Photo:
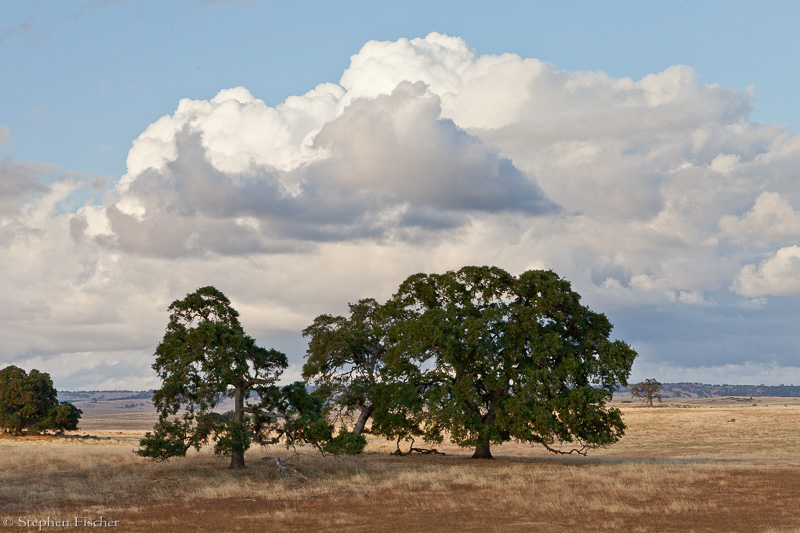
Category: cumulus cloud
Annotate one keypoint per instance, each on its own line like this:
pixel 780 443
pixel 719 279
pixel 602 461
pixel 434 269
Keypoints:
pixel 399 145
pixel 492 92
pixel 238 131
pixel 19 182
pixel 234 176
pixel 658 198
pixel 779 274
pixel 771 218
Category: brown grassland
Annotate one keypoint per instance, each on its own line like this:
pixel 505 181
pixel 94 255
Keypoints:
pixel 709 465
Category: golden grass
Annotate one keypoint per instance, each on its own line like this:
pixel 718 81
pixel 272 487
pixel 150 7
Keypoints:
pixel 677 469
pixel 704 430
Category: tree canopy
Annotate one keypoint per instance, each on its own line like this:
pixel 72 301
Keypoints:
pixel 498 357
pixel 29 402
pixel 345 357
pixel 205 357
pixel 647 390
pixel 477 354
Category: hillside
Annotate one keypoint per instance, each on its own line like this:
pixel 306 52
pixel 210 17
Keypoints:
pixel 105 399
pixel 702 390
pixel 141 400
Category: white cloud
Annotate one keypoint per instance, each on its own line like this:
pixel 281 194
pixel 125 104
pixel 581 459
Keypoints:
pixel 779 274
pixel 386 167
pixel 652 196
pixel 771 218
pixel 238 132
pixel 5 134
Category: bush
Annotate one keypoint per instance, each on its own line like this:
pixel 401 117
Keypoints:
pixel 346 443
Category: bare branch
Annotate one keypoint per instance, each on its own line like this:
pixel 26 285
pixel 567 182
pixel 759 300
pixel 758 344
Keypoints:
pixel 411 449
pixel 289 471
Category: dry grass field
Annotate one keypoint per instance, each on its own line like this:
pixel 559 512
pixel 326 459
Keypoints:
pixel 701 465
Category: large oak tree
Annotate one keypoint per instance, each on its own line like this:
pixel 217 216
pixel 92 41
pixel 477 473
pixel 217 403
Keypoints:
pixel 498 357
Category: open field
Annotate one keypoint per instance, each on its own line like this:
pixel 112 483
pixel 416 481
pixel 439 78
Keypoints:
pixel 701 465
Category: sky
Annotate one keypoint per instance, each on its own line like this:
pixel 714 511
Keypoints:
pixel 300 156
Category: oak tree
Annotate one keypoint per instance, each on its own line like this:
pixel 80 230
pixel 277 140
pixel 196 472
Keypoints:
pixel 345 357
pixel 205 357
pixel 647 390
pixel 29 403
pixel 498 357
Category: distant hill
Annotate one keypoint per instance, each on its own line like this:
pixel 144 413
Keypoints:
pixel 97 395
pixel 702 390
pixel 668 390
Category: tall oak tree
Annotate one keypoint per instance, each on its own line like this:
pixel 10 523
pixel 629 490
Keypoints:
pixel 498 357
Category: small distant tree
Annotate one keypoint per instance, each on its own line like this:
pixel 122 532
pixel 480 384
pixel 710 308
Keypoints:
pixel 647 390
pixel 29 403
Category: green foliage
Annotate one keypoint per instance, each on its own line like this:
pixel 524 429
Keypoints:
pixel 167 441
pixel 304 420
pixel 497 357
pixel 234 440
pixel 29 402
pixel 204 357
pixel 346 442
pixel 398 407
pixel 64 417
pixel 647 390
pixel 303 416
pixel 345 356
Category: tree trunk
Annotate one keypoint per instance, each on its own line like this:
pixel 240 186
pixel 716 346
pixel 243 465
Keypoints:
pixel 482 449
pixel 482 452
pixel 237 460
pixel 237 457
pixel 362 420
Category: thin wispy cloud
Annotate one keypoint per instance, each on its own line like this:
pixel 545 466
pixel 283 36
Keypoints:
pixel 25 27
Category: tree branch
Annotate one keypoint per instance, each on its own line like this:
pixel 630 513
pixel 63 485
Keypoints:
pixel 289 471
pixel 583 450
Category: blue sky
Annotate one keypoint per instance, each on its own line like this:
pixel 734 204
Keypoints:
pixel 645 151
pixel 88 77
